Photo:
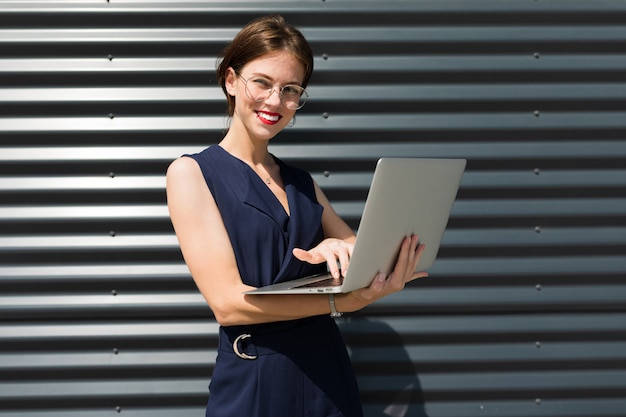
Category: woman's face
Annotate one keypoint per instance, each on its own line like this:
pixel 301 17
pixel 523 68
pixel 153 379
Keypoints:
pixel 264 119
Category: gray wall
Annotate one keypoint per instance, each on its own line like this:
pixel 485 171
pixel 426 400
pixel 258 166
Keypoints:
pixel 525 311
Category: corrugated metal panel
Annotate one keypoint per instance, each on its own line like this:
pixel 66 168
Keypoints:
pixel 525 311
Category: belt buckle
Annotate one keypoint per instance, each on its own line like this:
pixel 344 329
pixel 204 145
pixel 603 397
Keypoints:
pixel 242 355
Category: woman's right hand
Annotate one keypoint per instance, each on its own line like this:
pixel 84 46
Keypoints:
pixel 332 251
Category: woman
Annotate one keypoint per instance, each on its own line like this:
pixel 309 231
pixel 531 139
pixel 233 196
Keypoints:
pixel 245 219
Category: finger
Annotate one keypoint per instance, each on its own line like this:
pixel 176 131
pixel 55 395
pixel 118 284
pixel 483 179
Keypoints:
pixel 417 275
pixel 375 288
pixel 416 256
pixel 333 269
pixel 302 254
pixel 405 265
pixel 344 261
pixel 412 241
pixel 413 245
pixel 404 260
pixel 413 275
pixel 350 250
pixel 308 256
pixel 419 251
pixel 338 255
pixel 415 251
pixel 327 255
pixel 413 255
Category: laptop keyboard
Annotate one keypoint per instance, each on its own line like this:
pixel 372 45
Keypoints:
pixel 327 282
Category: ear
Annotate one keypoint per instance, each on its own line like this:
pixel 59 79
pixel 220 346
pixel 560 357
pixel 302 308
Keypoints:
pixel 230 81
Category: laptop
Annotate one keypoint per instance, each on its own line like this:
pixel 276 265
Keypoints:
pixel 407 196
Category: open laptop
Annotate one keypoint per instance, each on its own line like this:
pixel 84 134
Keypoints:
pixel 407 196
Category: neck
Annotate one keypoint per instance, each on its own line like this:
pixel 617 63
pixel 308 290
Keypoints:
pixel 254 153
pixel 257 157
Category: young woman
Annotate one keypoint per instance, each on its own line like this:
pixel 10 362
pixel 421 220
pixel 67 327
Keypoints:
pixel 245 219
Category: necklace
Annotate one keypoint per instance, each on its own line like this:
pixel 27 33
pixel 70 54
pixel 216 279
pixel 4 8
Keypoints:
pixel 268 160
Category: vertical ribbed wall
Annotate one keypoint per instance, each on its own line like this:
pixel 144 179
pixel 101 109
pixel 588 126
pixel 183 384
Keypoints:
pixel 525 311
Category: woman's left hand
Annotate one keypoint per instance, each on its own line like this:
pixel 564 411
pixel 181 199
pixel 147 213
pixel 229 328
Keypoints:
pixel 403 272
pixel 330 251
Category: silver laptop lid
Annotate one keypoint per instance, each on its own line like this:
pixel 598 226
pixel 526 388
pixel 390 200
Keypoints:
pixel 407 196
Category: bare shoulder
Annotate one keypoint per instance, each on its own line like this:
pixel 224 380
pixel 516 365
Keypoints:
pixel 184 173
pixel 186 189
pixel 183 166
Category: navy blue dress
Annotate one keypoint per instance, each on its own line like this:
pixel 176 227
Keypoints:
pixel 296 368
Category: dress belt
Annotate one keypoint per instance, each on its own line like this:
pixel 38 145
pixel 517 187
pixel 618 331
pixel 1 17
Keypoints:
pixel 249 344
pixel 240 349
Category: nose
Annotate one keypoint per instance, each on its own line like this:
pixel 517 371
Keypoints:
pixel 274 98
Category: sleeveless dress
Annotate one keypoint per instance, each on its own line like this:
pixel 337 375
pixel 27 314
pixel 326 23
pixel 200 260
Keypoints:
pixel 295 368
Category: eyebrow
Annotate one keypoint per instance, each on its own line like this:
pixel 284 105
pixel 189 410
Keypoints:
pixel 260 74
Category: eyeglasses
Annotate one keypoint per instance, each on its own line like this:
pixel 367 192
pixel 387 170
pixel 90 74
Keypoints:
pixel 260 89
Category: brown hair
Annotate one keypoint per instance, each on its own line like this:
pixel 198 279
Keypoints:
pixel 260 37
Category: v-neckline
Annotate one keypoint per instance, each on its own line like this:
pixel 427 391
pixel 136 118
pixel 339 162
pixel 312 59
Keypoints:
pixel 252 172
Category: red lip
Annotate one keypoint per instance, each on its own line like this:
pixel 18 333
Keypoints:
pixel 268 118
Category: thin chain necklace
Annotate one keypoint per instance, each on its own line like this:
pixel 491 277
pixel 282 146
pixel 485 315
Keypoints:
pixel 268 179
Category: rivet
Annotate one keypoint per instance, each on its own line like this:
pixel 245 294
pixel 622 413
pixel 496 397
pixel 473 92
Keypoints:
pixel 112 233
pixel 536 55
pixel 537 171
pixel 111 116
pixel 327 174
pixel 537 229
pixel 118 409
pixel 537 113
pixel 538 287
pixel 538 401
pixel 110 57
pixel 324 56
pixel 113 293
pixel 116 351
pixel 538 344
pixel 325 115
pixel 112 174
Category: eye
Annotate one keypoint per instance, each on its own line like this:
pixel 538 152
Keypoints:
pixel 292 90
pixel 262 82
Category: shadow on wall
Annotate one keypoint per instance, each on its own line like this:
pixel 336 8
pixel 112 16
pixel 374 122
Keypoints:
pixel 402 394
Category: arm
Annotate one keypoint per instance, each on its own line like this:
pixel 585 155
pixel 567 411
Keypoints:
pixel 339 240
pixel 339 244
pixel 208 253
pixel 209 256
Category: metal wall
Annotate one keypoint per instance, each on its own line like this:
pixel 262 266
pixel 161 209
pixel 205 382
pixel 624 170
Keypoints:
pixel 525 311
